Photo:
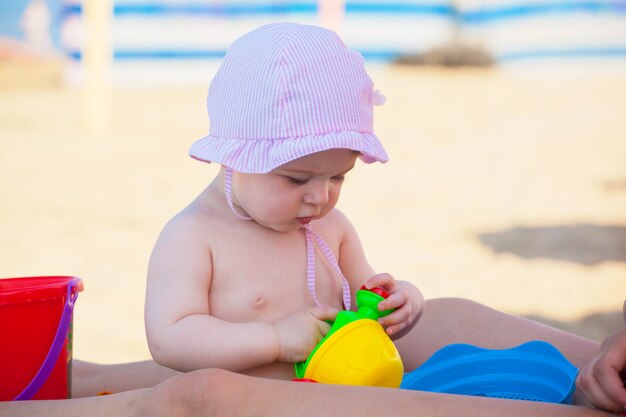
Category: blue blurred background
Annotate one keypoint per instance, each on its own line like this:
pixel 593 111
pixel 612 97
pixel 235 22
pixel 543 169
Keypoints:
pixel 501 31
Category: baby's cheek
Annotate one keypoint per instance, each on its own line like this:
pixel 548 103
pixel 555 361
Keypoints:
pixel 332 202
pixel 281 208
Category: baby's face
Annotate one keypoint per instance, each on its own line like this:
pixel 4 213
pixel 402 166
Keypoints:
pixel 297 192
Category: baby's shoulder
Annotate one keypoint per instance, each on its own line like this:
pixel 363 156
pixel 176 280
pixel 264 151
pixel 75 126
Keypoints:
pixel 196 221
pixel 341 216
pixel 335 221
pixel 336 217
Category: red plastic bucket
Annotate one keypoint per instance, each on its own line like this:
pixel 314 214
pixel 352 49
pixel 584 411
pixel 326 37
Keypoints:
pixel 36 336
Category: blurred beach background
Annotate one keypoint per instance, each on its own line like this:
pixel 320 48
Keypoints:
pixel 505 123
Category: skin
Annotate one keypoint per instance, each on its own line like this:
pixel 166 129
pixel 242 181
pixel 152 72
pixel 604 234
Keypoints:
pixel 454 320
pixel 216 302
pixel 215 392
pixel 602 379
pixel 228 293
pixel 90 379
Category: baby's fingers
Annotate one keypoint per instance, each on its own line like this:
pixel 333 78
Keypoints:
pixel 324 314
pixel 395 300
pixel 396 321
pixel 383 280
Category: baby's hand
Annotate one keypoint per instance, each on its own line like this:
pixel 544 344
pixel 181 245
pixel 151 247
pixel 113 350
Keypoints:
pixel 299 333
pixel 404 297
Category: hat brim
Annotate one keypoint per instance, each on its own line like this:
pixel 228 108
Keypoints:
pixel 260 156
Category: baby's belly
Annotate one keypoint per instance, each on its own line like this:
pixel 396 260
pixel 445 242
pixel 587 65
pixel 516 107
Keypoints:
pixel 277 370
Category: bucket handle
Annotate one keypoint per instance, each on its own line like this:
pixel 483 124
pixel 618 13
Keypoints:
pixel 55 349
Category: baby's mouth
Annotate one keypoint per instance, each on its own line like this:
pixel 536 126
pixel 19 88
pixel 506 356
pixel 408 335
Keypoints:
pixel 304 220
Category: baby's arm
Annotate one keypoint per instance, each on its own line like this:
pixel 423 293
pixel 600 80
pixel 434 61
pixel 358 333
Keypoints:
pixel 405 298
pixel 181 332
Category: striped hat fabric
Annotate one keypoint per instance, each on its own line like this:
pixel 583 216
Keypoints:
pixel 284 91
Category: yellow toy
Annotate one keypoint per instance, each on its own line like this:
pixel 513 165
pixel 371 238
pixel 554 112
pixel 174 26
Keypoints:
pixel 356 350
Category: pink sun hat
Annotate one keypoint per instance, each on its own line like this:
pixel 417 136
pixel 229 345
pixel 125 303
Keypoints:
pixel 284 91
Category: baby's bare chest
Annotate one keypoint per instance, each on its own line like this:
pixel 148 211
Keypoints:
pixel 265 278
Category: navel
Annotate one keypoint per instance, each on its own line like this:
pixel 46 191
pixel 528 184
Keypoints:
pixel 259 303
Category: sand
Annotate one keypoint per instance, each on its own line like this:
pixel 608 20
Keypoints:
pixel 506 187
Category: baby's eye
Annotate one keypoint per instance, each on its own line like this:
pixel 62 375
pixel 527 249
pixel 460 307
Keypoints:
pixel 338 178
pixel 297 181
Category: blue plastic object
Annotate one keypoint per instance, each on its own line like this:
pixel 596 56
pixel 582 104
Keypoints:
pixel 533 371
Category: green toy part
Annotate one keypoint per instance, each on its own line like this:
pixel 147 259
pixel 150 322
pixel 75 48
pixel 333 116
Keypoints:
pixel 367 308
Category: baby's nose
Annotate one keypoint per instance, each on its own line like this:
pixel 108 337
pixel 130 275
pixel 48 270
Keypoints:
pixel 317 194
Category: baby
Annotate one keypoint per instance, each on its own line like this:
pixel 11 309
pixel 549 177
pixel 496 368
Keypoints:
pixel 245 277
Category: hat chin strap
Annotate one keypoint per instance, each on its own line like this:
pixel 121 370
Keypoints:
pixel 310 236
pixel 228 191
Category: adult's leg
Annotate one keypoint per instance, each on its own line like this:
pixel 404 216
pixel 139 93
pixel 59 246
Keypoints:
pixel 221 393
pixel 217 393
pixel 89 379
pixel 455 320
